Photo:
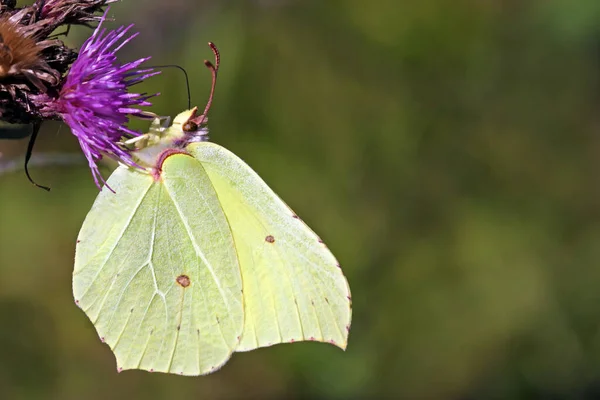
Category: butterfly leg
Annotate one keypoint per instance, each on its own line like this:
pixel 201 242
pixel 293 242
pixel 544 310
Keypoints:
pixel 138 141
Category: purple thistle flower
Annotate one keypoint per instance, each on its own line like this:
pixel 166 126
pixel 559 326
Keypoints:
pixel 94 101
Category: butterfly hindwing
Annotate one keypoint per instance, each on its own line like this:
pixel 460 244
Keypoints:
pixel 294 288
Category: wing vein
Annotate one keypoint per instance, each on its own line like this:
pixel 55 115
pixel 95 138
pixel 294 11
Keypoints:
pixel 196 248
pixel 118 239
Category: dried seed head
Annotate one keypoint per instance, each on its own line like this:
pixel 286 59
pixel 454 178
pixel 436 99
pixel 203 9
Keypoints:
pixel 17 52
pixel 24 71
pixel 31 64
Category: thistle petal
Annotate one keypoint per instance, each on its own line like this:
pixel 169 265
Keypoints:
pixel 94 100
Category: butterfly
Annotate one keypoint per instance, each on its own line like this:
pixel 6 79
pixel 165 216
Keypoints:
pixel 182 263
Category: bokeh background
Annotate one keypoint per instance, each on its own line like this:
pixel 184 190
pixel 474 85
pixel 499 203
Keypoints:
pixel 446 150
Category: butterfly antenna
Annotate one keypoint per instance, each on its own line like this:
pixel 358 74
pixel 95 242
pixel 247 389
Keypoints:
pixel 34 133
pixel 187 81
pixel 214 69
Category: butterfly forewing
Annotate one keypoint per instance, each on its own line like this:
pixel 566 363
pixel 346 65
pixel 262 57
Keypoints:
pixel 157 273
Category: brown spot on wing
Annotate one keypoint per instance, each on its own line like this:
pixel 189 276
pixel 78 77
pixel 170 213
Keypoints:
pixel 270 239
pixel 183 281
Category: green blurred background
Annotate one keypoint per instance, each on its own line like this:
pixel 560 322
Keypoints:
pixel 447 152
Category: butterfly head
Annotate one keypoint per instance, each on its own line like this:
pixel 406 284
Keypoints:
pixel 188 127
pixel 193 128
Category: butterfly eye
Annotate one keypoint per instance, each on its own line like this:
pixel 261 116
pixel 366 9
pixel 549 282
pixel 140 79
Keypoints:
pixel 190 126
